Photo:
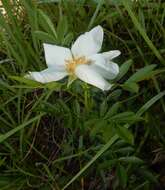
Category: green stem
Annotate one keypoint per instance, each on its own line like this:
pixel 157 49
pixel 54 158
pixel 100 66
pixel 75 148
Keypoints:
pixel 86 97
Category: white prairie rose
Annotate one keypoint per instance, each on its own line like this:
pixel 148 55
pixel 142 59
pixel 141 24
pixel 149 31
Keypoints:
pixel 83 61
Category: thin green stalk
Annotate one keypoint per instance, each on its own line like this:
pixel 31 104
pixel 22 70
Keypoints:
pixel 86 97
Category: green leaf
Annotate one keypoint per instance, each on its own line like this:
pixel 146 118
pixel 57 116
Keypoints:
pixel 131 160
pixel 131 86
pixel 107 132
pixel 122 175
pixel 107 164
pixel 28 82
pixel 148 175
pixel 113 110
pixel 34 84
pixel 125 134
pixel 124 69
pixel 142 74
pixel 62 28
pixel 2 161
pixel 124 150
pixel 68 39
pixel 53 86
pixel 98 127
pixel 103 108
pixel 45 37
pixel 125 117
pixel 47 23
pixel 114 95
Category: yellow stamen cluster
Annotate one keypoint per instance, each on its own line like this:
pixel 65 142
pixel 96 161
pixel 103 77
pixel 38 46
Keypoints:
pixel 72 63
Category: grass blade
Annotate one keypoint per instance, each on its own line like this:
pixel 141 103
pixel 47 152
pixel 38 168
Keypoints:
pixel 113 139
pixel 147 105
pixel 142 32
pixel 99 153
pixel 13 131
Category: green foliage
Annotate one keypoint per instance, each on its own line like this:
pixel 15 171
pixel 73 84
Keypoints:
pixel 122 175
pixel 58 137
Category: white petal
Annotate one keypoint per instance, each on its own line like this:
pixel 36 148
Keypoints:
pixel 111 54
pixel 90 76
pixel 108 70
pixel 56 55
pixel 88 43
pixel 47 75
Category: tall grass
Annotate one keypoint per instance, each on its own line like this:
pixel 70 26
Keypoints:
pixel 54 137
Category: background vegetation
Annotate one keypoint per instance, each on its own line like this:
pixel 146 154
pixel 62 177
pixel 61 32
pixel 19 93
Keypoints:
pixel 54 137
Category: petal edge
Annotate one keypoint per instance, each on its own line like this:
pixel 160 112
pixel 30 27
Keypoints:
pixel 47 75
pixel 90 76
pixel 88 43
pixel 56 55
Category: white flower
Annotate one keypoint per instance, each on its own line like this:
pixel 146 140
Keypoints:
pixel 83 61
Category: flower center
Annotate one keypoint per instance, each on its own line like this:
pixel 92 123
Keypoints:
pixel 72 63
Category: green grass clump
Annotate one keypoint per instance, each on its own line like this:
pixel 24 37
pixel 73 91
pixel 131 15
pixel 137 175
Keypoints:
pixel 54 137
